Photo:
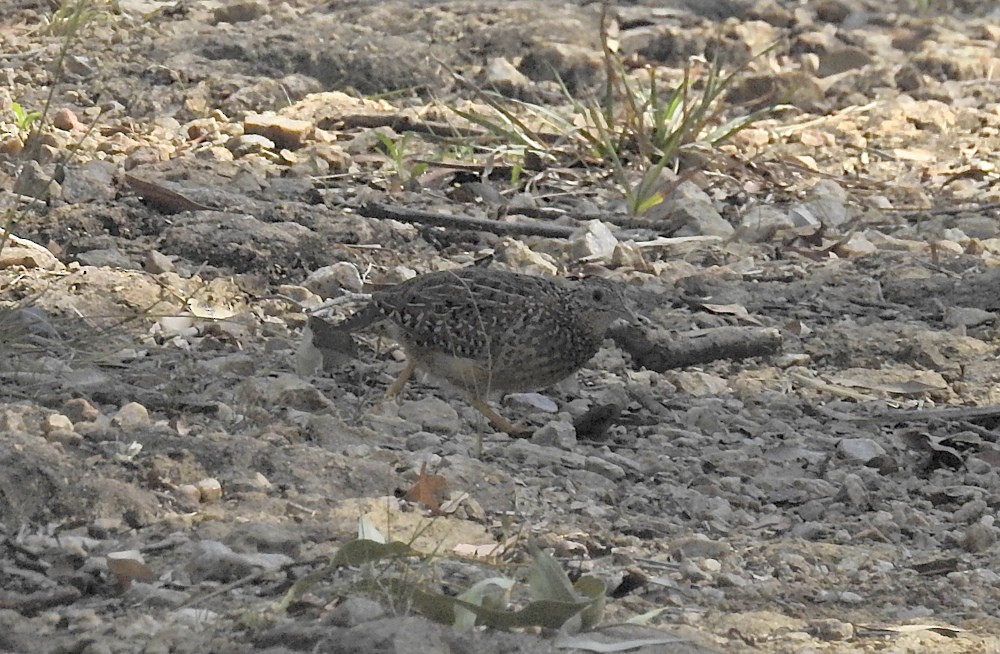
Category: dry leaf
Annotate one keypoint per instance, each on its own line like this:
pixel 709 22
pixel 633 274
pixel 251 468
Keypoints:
pixel 429 490
pixel 732 310
pixel 127 566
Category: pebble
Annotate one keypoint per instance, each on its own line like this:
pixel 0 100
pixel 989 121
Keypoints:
pixel 853 491
pixel 214 561
pixel 859 449
pixel 78 409
pixel 209 489
pixel 980 536
pixel 594 240
pixel 690 571
pixel 604 468
pixel 330 281
pixel 423 440
pixel 130 416
pixel 241 146
pixel 432 414
pixel 354 611
pixel 831 629
pixel 55 421
pixel 698 547
pixel 556 434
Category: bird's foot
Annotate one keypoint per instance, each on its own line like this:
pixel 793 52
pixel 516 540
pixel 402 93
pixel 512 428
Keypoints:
pixel 498 421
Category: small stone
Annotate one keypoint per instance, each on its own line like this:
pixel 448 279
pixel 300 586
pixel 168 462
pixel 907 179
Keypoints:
pixel 698 547
pixel 556 434
pixel 692 209
pixel 690 571
pixel 240 11
pixel 97 647
pixel 968 317
pixel 594 241
pixel 65 436
pixel 330 281
pixel 504 76
pixel 762 222
pixel 65 119
pixel 89 182
pixel 156 262
pixel 28 254
pixel 289 391
pixel 831 629
pixel 34 181
pixel 78 409
pixel 850 597
pixel 576 66
pixel 209 489
pixel 432 414
pixel 354 611
pixel 979 537
pixel 604 468
pixel 423 440
pixel 710 565
pixel 188 495
pixel 215 561
pixel 130 416
pixel 853 491
pixel 859 449
pixel 731 580
pixel 106 258
pixel 281 130
pixel 249 144
pixel 56 421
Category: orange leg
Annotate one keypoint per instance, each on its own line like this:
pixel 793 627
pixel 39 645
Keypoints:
pixel 404 376
pixel 496 419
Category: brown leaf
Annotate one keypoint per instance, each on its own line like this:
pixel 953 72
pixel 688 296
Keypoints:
pixel 429 490
pixel 125 569
pixel 736 310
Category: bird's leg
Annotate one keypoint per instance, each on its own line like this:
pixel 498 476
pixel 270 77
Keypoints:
pixel 397 386
pixel 496 419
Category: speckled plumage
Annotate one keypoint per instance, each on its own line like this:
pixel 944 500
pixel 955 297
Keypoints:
pixel 488 330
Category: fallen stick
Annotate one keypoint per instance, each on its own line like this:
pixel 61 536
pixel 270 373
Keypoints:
pixel 416 216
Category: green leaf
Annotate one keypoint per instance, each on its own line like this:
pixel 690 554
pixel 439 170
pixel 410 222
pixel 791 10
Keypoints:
pixel 362 551
pixel 547 579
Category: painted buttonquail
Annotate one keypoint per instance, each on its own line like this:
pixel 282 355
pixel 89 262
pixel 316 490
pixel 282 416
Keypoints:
pixel 486 330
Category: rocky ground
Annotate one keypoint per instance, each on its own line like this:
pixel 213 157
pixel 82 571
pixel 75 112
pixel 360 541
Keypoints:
pixel 181 471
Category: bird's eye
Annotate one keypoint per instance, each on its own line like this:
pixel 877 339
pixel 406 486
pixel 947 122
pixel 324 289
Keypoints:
pixel 598 295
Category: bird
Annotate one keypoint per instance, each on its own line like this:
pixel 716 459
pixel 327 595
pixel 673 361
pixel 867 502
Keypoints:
pixel 486 330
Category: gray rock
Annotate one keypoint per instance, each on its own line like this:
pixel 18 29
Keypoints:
pixel 693 211
pixel 241 146
pixel 505 76
pixel 215 561
pixel 576 66
pixel 131 415
pixel 93 181
pixel 432 414
pixel 35 182
pixel 157 262
pixel 859 449
pixel 289 391
pixel 831 629
pixel 108 258
pixel 265 537
pixel 854 492
pixel 699 547
pixel 354 611
pixel 605 468
pixel 423 440
pixel 980 536
pixel 556 434
pixel 761 222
